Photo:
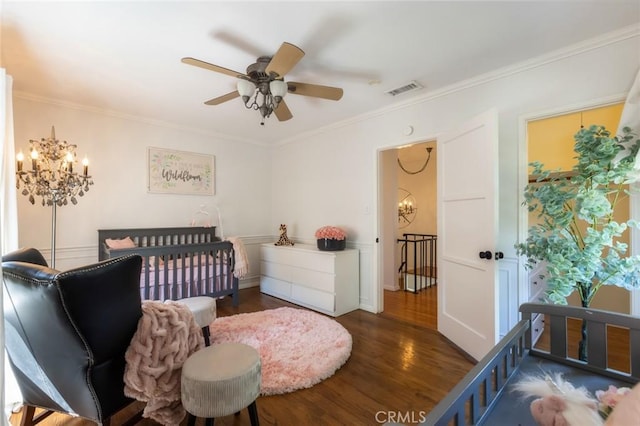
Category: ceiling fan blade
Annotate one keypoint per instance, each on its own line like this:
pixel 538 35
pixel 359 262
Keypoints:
pixel 282 112
pixel 285 59
pixel 212 67
pixel 239 43
pixel 315 90
pixel 223 98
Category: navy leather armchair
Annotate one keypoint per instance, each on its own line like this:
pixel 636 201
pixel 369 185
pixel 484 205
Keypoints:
pixel 66 333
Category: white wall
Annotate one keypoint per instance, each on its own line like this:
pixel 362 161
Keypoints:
pixel 330 177
pixel 324 178
pixel 117 151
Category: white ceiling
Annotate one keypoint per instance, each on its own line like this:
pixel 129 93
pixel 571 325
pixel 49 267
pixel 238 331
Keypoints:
pixel 125 56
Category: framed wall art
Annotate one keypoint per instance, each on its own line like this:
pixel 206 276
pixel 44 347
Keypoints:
pixel 180 172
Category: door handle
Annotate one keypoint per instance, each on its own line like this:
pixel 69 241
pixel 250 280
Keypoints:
pixel 485 255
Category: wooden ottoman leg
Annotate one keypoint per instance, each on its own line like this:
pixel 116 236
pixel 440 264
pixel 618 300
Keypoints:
pixel 191 420
pixel 253 414
pixel 206 332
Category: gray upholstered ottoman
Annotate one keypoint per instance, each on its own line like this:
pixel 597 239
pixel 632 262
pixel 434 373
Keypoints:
pixel 204 311
pixel 220 380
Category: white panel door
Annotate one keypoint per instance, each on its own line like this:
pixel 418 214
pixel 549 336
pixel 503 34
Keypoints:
pixel 467 226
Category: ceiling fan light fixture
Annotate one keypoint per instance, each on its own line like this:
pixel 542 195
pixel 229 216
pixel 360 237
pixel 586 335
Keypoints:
pixel 246 89
pixel 278 89
pixel 263 88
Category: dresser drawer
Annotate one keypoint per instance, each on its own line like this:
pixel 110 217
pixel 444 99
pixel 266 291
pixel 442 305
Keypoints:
pixel 537 327
pixel 318 261
pixel 299 257
pixel 313 298
pixel 276 270
pixel 318 280
pixel 537 286
pixel 275 287
pixel 272 254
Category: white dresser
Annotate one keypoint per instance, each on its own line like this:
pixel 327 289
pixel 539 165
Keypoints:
pixel 537 287
pixel 325 281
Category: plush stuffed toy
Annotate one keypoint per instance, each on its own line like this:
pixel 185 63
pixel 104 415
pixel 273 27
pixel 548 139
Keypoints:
pixel 559 403
pixel 284 239
pixel 627 411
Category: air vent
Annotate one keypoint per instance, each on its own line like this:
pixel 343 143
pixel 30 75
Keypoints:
pixel 413 85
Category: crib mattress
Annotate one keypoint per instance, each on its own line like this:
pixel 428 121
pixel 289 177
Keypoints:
pixel 512 409
pixel 178 283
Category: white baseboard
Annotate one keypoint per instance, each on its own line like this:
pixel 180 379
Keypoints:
pixel 249 282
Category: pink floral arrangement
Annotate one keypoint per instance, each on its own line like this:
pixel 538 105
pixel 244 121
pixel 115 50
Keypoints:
pixel 607 400
pixel 331 233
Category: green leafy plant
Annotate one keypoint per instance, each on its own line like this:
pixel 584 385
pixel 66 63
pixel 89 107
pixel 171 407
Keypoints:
pixel 576 235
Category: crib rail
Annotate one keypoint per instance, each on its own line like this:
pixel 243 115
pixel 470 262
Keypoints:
pixel 599 325
pixel 179 271
pixel 149 237
pixel 178 262
pixel 475 395
pixel 471 401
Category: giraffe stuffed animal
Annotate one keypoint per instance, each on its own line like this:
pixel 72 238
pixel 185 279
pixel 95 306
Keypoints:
pixel 283 240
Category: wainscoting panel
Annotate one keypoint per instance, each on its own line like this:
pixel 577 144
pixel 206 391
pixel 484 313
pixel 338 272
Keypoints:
pixel 73 257
pixel 368 289
pixel 508 294
pixel 252 247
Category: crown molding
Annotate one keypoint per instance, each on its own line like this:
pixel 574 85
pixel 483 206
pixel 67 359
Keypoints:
pixel 140 119
pixel 523 66
pixel 584 46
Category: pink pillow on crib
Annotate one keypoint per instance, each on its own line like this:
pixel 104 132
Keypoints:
pixel 152 262
pixel 124 243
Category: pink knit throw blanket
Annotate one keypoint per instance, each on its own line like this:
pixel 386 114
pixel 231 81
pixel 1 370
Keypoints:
pixel 167 334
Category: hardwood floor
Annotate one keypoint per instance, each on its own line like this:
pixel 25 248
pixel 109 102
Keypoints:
pixel 398 364
pixel 420 309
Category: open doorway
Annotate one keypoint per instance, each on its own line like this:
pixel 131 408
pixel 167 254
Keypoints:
pixel 467 182
pixel 550 141
pixel 410 286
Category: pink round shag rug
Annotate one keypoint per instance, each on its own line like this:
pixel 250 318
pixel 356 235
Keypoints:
pixel 298 348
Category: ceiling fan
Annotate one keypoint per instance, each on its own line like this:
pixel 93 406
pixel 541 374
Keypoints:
pixel 263 87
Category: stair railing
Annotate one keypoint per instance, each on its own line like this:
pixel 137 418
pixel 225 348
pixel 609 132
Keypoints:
pixel 418 261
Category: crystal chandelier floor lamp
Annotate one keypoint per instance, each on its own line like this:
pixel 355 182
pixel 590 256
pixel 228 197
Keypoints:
pixel 52 177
